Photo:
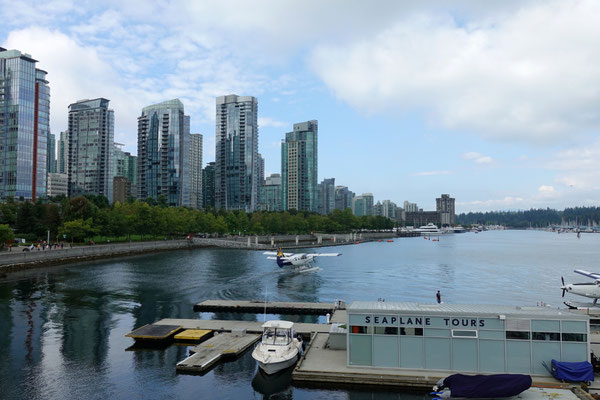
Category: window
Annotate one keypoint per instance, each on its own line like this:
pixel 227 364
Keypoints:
pixel 574 337
pixel 517 335
pixel 466 334
pixel 361 329
pixel 551 336
pixel 411 331
pixel 386 330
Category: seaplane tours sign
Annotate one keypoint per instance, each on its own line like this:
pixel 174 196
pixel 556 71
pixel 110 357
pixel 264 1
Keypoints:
pixel 420 321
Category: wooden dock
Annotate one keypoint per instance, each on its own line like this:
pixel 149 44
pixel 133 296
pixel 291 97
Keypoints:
pixel 218 347
pixel 304 329
pixel 257 306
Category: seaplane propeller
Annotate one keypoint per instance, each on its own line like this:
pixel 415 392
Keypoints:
pixel 564 288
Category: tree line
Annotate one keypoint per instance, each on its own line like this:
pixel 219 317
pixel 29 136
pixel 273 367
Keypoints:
pixel 538 218
pixel 80 218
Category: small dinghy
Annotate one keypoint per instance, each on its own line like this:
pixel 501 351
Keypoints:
pixel 481 386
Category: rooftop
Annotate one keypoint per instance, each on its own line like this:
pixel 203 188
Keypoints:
pixel 491 310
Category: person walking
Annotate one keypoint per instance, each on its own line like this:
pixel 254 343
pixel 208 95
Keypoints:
pixel 438 297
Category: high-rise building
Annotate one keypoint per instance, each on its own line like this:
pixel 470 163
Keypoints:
pixel 196 171
pixel 51 158
pixel 236 156
pixel 118 160
pixel 91 148
pixel 130 172
pixel 62 152
pixel 388 209
pixel 326 191
pixel 410 207
pixel 261 170
pixel 343 197
pixel 163 155
pixel 24 126
pixel 445 206
pixel 208 185
pixel 121 189
pixel 299 167
pixel 363 205
pixel 57 184
pixel 270 193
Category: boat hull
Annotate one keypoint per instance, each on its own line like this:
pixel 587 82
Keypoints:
pixel 271 368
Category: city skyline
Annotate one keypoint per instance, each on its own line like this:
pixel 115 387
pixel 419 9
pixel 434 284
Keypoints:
pixel 477 114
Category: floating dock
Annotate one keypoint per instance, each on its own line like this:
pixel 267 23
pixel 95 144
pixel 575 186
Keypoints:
pixel 220 346
pixel 155 332
pixel 272 307
pixel 193 335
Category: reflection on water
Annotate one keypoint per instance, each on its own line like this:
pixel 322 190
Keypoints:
pixel 278 383
pixel 62 330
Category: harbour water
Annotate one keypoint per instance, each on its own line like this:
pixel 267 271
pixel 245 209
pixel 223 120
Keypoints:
pixel 62 328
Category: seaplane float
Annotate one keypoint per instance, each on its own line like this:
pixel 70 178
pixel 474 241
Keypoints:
pixel 586 289
pixel 298 262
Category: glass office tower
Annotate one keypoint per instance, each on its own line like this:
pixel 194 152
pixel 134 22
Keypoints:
pixel 163 155
pixel 299 167
pixel 236 156
pixel 91 148
pixel 24 126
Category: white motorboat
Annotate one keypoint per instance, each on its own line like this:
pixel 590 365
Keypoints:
pixel 429 229
pixel 278 348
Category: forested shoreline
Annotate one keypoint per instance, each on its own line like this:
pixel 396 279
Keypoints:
pixel 537 218
pixel 90 216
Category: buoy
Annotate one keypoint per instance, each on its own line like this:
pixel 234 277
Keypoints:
pixel 357 242
pixel 390 241
pixel 379 240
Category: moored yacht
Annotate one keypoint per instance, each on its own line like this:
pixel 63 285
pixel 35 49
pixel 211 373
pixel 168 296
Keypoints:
pixel 429 229
pixel 278 349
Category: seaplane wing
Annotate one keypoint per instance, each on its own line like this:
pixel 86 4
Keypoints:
pixel 324 254
pixel 592 275
pixel 274 253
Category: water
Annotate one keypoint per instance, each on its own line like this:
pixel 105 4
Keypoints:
pixel 62 329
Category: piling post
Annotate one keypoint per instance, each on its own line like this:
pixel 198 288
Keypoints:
pixel 272 241
pixel 319 239
pixel 297 240
pixel 248 241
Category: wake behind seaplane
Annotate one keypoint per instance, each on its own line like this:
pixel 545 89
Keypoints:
pixel 302 262
pixel 587 289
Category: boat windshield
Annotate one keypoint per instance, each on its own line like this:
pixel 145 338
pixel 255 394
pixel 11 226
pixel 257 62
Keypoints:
pixel 276 336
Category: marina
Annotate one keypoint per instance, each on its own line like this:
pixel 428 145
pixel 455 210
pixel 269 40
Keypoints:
pixel 272 307
pixel 403 345
pixel 68 324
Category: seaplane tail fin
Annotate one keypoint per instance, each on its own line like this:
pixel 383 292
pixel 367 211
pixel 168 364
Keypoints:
pixel 592 275
pixel 324 254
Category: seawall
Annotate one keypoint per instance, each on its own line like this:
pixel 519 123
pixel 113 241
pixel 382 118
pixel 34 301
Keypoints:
pixel 19 259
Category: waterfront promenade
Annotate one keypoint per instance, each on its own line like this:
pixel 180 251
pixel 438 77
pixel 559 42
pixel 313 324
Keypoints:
pixel 18 259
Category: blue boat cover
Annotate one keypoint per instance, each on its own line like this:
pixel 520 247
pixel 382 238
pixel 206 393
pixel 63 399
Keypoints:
pixel 487 386
pixel 573 371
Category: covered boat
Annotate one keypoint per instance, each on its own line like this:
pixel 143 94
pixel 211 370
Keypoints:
pixel 278 348
pixel 481 386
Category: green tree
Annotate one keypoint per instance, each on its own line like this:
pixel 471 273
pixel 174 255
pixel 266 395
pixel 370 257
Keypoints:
pixel 6 234
pixel 78 229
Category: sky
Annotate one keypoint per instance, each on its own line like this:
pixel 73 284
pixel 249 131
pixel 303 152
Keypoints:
pixel 495 103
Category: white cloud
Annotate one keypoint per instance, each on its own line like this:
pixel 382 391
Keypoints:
pixel 526 74
pixel 271 122
pixel 430 173
pixel 477 157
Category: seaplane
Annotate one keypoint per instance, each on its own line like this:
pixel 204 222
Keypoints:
pixel 300 262
pixel 587 289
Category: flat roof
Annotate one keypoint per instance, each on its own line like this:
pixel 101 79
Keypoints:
pixel 483 310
